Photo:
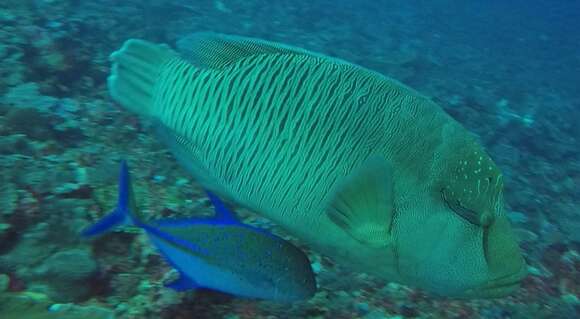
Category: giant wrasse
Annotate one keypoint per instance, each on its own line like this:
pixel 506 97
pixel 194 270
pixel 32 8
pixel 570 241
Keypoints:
pixel 355 163
pixel 219 253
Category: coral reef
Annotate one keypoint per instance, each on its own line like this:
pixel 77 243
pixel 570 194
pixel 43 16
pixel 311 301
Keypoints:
pixel 38 306
pixel 31 305
pixel 69 274
pixel 513 82
pixel 30 122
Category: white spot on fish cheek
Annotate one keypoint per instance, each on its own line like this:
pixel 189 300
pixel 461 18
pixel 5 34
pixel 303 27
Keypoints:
pixel 362 100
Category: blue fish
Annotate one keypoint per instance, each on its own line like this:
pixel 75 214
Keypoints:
pixel 218 253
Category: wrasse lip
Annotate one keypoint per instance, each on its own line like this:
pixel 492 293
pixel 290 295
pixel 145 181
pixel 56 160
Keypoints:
pixel 514 277
pixel 499 286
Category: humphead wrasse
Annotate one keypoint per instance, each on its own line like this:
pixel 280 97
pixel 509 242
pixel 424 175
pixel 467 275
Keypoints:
pixel 363 168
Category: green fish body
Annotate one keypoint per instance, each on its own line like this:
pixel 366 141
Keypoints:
pixel 360 166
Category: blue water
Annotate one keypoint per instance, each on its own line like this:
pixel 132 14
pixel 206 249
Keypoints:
pixel 509 71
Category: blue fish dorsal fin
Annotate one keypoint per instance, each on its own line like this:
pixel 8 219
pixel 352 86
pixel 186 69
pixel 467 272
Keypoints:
pixel 182 283
pixel 222 213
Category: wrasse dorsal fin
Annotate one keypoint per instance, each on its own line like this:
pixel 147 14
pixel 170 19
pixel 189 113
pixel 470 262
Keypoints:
pixel 215 51
pixel 362 203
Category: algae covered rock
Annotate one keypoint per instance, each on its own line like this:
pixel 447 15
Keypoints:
pixel 4 283
pixel 68 275
pixel 28 95
pixel 8 199
pixel 16 144
pixel 27 305
pixel 30 122
pixel 29 251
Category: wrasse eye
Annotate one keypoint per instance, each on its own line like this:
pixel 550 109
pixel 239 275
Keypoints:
pixel 473 217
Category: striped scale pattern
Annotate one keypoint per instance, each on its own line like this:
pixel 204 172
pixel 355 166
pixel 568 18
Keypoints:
pixel 277 131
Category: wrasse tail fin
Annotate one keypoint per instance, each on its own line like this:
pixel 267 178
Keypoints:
pixel 136 67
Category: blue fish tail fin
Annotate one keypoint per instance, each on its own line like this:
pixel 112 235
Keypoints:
pixel 122 214
pixel 115 218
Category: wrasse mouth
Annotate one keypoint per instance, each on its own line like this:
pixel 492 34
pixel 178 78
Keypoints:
pixel 500 286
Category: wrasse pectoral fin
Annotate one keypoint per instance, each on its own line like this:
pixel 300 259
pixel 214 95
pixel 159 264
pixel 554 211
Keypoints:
pixel 362 204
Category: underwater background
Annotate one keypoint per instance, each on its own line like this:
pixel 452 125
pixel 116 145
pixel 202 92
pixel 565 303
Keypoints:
pixel 509 71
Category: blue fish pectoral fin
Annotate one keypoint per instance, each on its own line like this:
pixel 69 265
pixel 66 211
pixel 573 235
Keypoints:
pixel 121 215
pixel 362 203
pixel 182 283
